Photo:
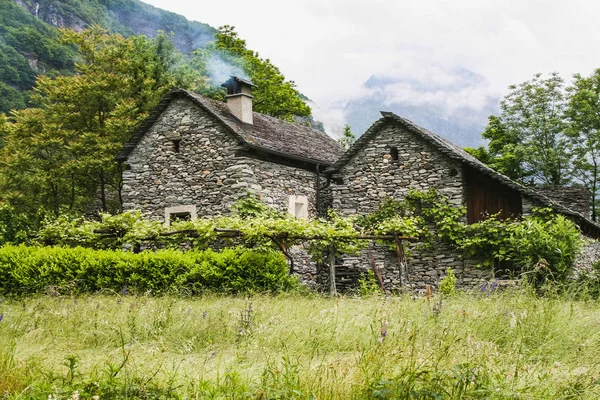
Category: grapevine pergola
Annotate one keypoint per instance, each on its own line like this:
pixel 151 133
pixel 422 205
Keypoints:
pixel 281 238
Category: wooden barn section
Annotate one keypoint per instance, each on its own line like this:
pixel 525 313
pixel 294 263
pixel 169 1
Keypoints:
pixel 485 196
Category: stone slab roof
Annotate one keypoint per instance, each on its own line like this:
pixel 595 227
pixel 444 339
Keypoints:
pixel 457 153
pixel 267 133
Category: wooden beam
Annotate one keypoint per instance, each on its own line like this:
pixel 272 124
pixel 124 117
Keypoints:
pixel 377 273
pixel 235 232
pixel 281 246
pixel 401 260
pixel 331 256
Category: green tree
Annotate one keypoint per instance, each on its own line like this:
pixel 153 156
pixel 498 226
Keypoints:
pixel 60 155
pixel 583 112
pixel 504 153
pixel 273 95
pixel 348 138
pixel 527 140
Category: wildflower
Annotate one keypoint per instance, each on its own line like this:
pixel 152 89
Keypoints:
pixel 484 287
pixel 382 331
pixel 428 292
pixel 1 317
pixel 76 395
pixel 204 314
pixel 494 285
pixel 124 290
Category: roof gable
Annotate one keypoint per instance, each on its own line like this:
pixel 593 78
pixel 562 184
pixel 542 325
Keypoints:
pixel 270 134
pixel 457 153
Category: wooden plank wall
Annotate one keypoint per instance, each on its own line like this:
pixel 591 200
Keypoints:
pixel 485 195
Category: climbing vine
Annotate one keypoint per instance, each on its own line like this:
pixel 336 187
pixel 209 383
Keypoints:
pixel 543 244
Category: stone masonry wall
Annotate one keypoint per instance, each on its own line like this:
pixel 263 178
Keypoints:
pixel 371 176
pixel 205 173
pixel 589 255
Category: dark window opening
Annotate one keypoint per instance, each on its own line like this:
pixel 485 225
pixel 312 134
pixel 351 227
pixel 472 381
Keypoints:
pixel 453 172
pixel 394 153
pixel 127 167
pixel 338 181
pixel 178 217
pixel 176 147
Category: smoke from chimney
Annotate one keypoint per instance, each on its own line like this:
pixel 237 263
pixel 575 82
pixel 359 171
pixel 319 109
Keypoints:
pixel 219 69
pixel 239 98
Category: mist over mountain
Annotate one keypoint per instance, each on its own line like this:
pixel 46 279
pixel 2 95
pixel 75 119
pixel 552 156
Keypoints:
pixel 452 102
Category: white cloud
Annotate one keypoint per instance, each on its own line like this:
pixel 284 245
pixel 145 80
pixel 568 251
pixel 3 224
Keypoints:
pixel 331 47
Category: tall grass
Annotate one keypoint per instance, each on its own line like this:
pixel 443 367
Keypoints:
pixel 502 346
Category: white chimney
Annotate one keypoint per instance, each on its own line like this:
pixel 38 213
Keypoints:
pixel 239 98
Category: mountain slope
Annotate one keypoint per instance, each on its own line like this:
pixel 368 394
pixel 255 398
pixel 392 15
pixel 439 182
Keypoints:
pixel 29 45
pixel 127 17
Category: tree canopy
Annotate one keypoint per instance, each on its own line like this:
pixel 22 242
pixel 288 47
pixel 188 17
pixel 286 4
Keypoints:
pixel 348 138
pixel 273 95
pixel 59 155
pixel 527 141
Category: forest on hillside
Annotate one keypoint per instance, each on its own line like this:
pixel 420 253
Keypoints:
pixel 30 43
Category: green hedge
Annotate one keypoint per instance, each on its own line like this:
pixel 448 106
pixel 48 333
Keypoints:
pixel 30 270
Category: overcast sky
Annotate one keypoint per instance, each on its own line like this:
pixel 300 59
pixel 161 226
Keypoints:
pixel 331 47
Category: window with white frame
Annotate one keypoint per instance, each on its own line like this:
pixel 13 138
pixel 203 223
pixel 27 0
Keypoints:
pixel 180 213
pixel 298 206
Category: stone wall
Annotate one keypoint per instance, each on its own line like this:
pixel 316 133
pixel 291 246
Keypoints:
pixel 372 175
pixel 589 255
pixel 206 173
pixel 203 173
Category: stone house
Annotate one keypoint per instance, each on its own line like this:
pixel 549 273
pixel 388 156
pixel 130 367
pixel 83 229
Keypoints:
pixel 394 156
pixel 194 157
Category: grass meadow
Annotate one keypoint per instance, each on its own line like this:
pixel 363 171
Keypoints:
pixel 509 345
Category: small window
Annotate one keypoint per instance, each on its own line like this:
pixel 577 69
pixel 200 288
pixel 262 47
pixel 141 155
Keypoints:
pixel 394 153
pixel 176 145
pixel 178 217
pixel 180 213
pixel 453 172
pixel 298 206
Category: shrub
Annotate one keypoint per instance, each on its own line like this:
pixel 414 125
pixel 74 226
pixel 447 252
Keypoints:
pixel 368 285
pixel 546 248
pixel 448 284
pixel 28 270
